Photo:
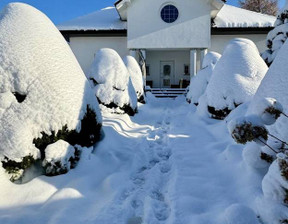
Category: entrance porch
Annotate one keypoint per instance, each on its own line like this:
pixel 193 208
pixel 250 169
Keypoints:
pixel 167 69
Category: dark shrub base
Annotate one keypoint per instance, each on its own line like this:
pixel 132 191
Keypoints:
pixel 218 114
pixel 90 133
pixel 126 108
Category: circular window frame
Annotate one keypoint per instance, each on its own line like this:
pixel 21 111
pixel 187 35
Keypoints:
pixel 162 8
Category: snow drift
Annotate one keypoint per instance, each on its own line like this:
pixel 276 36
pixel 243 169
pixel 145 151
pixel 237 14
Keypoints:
pixel 236 77
pixel 136 77
pixel 198 84
pixel 44 95
pixel 111 82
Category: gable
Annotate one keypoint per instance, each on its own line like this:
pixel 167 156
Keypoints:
pixel 146 29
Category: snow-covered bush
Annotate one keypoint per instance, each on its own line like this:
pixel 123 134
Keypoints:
pixel 60 157
pixel 277 37
pixel 136 77
pixel 275 183
pixel 247 129
pixel 240 214
pixel 111 82
pixel 199 83
pixel 44 95
pixel 274 85
pixel 253 156
pixel 236 77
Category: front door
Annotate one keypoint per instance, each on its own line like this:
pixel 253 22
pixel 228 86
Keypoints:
pixel 166 73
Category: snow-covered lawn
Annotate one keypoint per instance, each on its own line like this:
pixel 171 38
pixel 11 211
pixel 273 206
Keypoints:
pixel 164 165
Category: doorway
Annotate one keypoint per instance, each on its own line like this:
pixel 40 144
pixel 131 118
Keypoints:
pixel 166 73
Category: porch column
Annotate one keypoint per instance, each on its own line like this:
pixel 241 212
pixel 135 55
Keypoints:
pixel 203 53
pixel 142 62
pixel 193 62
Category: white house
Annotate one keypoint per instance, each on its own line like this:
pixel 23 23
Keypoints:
pixel 170 36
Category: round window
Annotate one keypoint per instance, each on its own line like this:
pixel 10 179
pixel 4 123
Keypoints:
pixel 169 13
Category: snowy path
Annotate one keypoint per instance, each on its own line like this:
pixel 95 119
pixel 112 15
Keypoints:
pixel 164 166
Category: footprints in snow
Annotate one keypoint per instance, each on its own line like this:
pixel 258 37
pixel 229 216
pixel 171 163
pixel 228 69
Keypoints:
pixel 149 183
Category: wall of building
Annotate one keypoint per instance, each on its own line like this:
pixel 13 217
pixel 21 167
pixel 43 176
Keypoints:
pixel 148 30
pixel 218 42
pixel 180 58
pixel 85 48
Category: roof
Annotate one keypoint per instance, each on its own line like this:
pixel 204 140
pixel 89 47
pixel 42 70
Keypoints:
pixel 108 20
pixel 105 19
pixel 233 17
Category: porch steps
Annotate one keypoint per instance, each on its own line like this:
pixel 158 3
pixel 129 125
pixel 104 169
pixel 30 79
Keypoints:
pixel 167 92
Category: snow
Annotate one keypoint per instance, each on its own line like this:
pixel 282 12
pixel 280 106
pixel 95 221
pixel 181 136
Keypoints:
pixel 199 82
pixel 164 165
pixel 252 156
pixel 274 184
pixel 239 214
pixel 230 17
pixel 236 76
pixel 274 85
pixel 105 19
pixel 135 75
pixel 111 80
pixel 59 151
pixel 36 61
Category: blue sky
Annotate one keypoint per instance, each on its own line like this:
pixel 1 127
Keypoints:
pixel 63 10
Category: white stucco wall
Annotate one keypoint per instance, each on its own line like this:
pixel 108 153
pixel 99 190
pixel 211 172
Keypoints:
pixel 148 30
pixel 85 48
pixel 218 42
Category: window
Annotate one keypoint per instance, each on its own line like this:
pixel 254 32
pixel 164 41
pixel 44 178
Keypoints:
pixel 186 70
pixel 147 70
pixel 169 13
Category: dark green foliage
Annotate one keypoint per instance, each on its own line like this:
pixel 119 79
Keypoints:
pixel 218 114
pixel 273 111
pixel 126 108
pixel 246 132
pixel 283 165
pixel 88 136
pixel 267 158
pixel 141 99
pixel 19 97
pixel 15 168
pixel 57 168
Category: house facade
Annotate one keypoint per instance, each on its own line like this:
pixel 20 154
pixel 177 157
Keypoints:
pixel 170 37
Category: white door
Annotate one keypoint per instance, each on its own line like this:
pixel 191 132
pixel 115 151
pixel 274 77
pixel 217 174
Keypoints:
pixel 167 73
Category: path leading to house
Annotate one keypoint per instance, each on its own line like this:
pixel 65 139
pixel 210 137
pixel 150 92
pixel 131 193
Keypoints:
pixel 165 165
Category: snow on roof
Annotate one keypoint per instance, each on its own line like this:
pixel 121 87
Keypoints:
pixel 232 17
pixel 105 19
pixel 108 19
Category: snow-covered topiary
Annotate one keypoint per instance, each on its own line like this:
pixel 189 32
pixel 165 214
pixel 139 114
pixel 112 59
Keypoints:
pixel 236 77
pixel 136 77
pixel 268 109
pixel 60 157
pixel 111 82
pixel 274 85
pixel 199 83
pixel 247 129
pixel 52 98
pixel 275 183
pixel 253 156
pixel 277 37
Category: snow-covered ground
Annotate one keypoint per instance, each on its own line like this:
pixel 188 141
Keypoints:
pixel 164 165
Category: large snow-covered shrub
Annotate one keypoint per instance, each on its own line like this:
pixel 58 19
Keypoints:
pixel 274 86
pixel 236 77
pixel 112 83
pixel 136 77
pixel 199 83
pixel 276 37
pixel 44 95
